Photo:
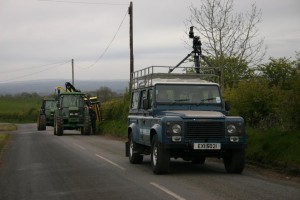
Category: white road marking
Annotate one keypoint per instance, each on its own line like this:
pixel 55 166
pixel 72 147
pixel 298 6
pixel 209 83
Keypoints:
pixel 81 147
pixel 169 192
pixel 111 162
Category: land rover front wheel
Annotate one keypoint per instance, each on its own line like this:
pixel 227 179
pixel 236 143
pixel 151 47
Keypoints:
pixel 134 156
pixel 160 157
pixel 234 162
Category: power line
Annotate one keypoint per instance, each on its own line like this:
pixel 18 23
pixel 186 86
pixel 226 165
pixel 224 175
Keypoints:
pixel 31 67
pixel 23 76
pixel 80 2
pixel 105 50
pixel 100 3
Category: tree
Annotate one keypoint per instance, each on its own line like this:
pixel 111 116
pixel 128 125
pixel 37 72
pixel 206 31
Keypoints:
pixel 280 72
pixel 254 100
pixel 234 70
pixel 225 34
pixel 105 94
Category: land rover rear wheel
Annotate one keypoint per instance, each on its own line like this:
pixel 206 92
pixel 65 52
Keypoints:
pixel 160 157
pixel 134 156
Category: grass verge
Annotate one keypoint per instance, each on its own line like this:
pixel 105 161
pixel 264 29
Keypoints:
pixel 3 139
pixel 113 128
pixel 7 127
pixel 274 148
pixel 4 136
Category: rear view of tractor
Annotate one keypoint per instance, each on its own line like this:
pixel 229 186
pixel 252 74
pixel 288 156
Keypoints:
pixel 72 111
pixel 46 114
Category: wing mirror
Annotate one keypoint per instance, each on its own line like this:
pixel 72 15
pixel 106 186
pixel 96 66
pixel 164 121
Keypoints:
pixel 227 105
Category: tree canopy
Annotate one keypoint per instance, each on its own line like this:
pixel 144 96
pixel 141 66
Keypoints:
pixel 228 35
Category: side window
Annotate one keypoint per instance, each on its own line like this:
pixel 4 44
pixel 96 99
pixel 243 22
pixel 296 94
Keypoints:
pixel 143 96
pixel 44 104
pixel 150 98
pixel 134 100
pixel 81 102
pixel 61 101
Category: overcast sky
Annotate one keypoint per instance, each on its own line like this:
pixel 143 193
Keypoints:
pixel 38 38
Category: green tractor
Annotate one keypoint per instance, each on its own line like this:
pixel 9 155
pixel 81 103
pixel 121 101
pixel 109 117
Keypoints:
pixel 46 114
pixel 72 112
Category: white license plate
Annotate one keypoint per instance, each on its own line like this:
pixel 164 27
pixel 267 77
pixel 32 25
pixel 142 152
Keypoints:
pixel 207 146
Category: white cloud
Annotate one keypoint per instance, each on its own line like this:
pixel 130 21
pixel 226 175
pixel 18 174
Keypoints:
pixel 34 33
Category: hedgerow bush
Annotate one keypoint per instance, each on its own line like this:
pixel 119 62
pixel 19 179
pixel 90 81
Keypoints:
pixel 263 106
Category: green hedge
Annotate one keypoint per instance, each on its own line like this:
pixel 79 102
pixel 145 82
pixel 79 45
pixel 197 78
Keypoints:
pixel 20 117
pixel 265 107
pixel 3 138
pixel 274 148
pixel 114 114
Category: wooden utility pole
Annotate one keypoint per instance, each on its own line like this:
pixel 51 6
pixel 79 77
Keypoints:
pixel 73 72
pixel 130 12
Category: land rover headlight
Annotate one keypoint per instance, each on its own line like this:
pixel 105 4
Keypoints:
pixel 176 128
pixel 231 129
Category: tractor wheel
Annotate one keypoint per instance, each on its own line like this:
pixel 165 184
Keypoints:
pixel 54 127
pixel 59 126
pixel 41 123
pixel 38 123
pixel 87 126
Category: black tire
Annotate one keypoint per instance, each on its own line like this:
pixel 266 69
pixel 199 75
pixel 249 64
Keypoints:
pixel 134 156
pixel 160 157
pixel 234 162
pixel 198 160
pixel 87 126
pixel 59 126
pixel 38 123
pixel 54 127
pixel 41 123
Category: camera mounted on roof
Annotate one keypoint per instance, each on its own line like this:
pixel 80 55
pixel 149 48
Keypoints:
pixel 197 53
pixel 196 41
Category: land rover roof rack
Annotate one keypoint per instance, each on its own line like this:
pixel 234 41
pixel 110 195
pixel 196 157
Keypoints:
pixel 147 76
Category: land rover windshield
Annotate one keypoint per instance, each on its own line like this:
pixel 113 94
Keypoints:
pixel 187 94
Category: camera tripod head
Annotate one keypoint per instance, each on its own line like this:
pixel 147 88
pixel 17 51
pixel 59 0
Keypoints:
pixel 197 52
pixel 191 33
pixel 196 41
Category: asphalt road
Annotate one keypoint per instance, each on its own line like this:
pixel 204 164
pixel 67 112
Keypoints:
pixel 38 165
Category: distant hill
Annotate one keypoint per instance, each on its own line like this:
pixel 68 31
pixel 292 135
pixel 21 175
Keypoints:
pixel 45 87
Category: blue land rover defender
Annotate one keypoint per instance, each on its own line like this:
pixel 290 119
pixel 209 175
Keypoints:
pixel 182 115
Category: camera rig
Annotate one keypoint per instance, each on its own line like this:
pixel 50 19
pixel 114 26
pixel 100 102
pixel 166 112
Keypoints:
pixel 197 52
